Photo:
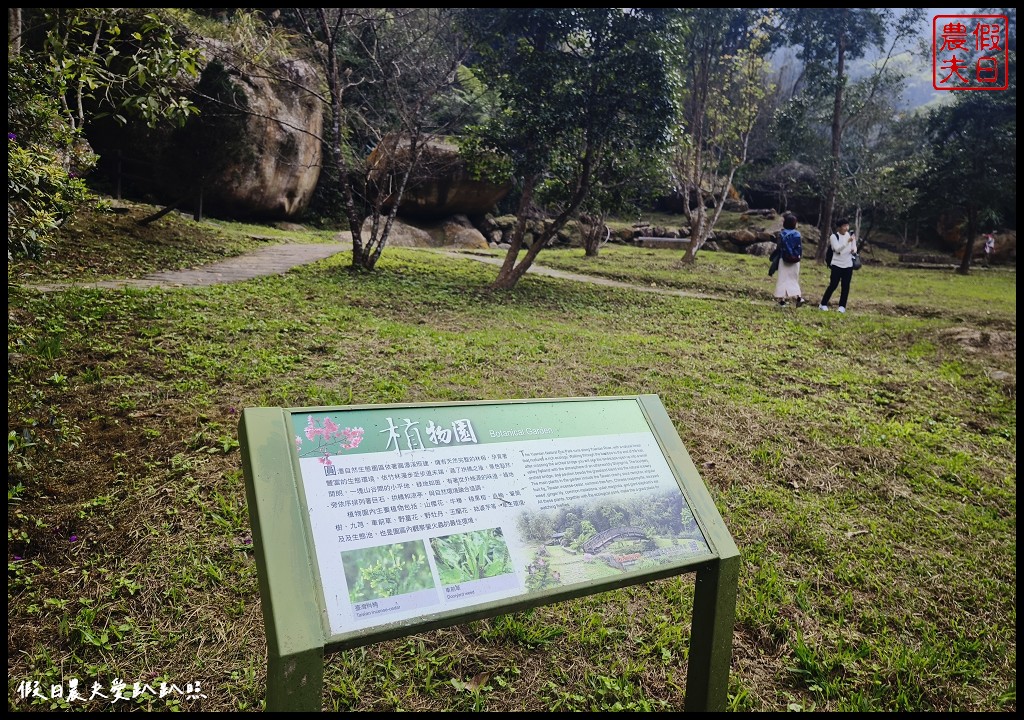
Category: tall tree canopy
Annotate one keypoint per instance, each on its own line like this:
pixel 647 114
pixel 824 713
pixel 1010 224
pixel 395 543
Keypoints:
pixel 579 87
pixel 972 155
pixel 721 85
pixel 828 39
pixel 66 67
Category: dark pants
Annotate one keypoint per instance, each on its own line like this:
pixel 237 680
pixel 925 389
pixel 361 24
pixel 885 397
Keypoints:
pixel 839 275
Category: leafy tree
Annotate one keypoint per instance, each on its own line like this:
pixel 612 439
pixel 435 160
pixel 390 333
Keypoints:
pixel 621 187
pixel 125 62
pixel 579 88
pixel 881 151
pixel 587 531
pixel 471 102
pixel 721 87
pixel 972 163
pixel 68 66
pixel 881 179
pixel 535 527
pixel 569 519
pixel 659 513
pixel 878 165
pixel 609 514
pixel 687 521
pixel 45 161
pixel 389 73
pixel 829 38
pixel 540 576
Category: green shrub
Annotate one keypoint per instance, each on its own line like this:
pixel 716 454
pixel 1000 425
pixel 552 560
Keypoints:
pixel 45 161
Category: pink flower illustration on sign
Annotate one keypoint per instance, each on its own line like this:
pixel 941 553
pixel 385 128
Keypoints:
pixel 313 432
pixel 329 437
pixel 353 436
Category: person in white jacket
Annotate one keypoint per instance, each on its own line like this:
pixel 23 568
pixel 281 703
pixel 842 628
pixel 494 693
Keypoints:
pixel 844 246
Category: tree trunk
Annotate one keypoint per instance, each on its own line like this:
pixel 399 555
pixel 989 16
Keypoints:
pixel 832 181
pixel 160 213
pixel 327 56
pixel 377 239
pixel 972 229
pixel 594 233
pixel 510 272
pixel 507 278
pixel 699 230
pixel 13 32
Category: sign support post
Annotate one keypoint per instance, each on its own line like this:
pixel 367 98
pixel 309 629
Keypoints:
pixel 714 613
pixel 715 586
pixel 291 614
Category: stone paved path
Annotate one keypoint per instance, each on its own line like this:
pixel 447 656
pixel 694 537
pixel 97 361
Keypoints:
pixel 279 259
pixel 273 260
pixel 593 279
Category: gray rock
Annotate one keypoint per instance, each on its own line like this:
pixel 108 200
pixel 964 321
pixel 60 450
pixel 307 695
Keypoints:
pixel 403 235
pixel 276 176
pixel 439 186
pixel 761 249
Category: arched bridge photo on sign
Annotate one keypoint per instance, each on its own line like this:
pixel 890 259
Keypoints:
pixel 602 540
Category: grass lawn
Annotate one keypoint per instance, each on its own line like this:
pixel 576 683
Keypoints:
pixel 865 465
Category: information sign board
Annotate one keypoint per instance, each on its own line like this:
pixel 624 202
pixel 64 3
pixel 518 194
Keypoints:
pixel 379 521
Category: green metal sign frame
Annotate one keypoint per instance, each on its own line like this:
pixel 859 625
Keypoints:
pixel 300 465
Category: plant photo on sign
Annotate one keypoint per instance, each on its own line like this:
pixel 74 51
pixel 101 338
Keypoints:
pixel 471 556
pixel 386 570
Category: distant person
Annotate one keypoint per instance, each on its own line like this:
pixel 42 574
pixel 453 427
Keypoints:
pixel 843 244
pixel 787 284
pixel 990 246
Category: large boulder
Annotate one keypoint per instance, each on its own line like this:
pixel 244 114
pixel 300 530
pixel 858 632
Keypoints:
pixel 761 249
pixel 253 150
pixel 276 169
pixel 455 231
pixel 440 184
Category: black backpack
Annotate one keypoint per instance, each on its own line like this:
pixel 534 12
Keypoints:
pixel 828 253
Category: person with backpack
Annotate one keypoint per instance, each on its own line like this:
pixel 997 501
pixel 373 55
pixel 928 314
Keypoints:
pixel 990 245
pixel 790 247
pixel 843 248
